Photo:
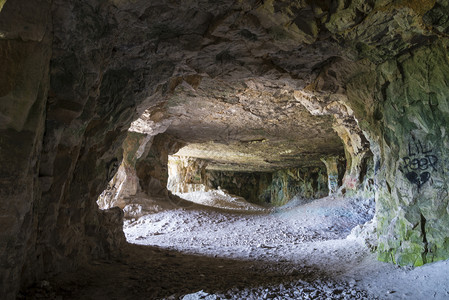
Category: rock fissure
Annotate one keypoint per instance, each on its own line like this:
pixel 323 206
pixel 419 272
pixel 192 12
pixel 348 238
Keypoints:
pixel 424 239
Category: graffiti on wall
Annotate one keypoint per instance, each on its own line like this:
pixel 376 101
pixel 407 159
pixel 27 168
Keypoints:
pixel 419 163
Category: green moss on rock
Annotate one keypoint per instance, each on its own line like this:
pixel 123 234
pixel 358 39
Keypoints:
pixel 130 146
pixel 413 183
pixel 306 183
pixel 2 2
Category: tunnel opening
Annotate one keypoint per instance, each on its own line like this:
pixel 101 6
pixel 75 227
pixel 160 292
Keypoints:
pixel 189 178
pixel 245 171
pixel 218 200
pixel 216 211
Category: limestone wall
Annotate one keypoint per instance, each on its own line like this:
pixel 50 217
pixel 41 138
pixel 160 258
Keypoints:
pixel 394 103
pixel 186 175
pixel 412 174
pixel 305 183
pixel 266 188
pixel 254 187
pixel 25 51
pixel 66 106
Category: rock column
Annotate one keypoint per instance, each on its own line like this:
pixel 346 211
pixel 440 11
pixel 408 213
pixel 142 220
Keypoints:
pixel 331 164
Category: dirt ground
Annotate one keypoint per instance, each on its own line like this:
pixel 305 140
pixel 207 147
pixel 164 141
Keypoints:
pixel 294 252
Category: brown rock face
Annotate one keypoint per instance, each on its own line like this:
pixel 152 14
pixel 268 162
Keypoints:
pixel 246 85
pixel 25 51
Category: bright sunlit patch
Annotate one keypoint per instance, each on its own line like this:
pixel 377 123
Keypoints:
pixel 210 231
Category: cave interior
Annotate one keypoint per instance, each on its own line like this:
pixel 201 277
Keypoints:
pixel 110 106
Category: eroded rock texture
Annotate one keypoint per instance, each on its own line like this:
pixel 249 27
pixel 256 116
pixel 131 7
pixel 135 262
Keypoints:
pixel 125 182
pixel 305 183
pixel 334 166
pixel 254 187
pixel 413 192
pixel 275 188
pixel 25 51
pixel 248 85
pixel 186 175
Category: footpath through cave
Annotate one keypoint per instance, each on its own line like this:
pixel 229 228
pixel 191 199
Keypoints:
pixel 317 250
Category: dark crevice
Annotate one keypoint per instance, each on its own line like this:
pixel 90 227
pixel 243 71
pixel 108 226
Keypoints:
pixel 424 239
pixel 364 165
pixel 384 89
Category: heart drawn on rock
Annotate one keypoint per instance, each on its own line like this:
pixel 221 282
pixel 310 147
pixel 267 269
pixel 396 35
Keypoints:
pixel 418 179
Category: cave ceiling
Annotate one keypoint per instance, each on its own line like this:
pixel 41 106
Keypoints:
pixel 234 68
pixel 247 125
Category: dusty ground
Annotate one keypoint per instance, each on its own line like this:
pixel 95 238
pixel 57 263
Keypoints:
pixel 296 252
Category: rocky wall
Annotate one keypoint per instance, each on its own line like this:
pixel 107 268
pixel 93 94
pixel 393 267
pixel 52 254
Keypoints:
pixel 413 192
pixel 186 175
pixel 25 51
pixel 400 99
pixel 304 183
pixel 67 102
pixel 265 188
pixel 81 150
pixel 254 187
pixel 390 109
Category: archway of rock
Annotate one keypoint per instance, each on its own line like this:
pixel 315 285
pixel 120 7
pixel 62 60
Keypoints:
pixel 312 79
pixel 157 169
pixel 268 132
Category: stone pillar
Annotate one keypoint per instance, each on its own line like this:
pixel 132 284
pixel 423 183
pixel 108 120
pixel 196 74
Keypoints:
pixel 331 164
pixel 186 175
pixel 356 150
pixel 152 167
pixel 125 182
pixel 405 113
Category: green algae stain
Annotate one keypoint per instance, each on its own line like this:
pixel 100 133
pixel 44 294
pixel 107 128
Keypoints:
pixel 278 33
pixel 412 210
pixel 2 2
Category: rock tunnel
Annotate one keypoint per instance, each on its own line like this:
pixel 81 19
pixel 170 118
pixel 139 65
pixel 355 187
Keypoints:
pixel 327 97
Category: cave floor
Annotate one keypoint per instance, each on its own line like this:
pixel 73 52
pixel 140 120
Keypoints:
pixel 296 252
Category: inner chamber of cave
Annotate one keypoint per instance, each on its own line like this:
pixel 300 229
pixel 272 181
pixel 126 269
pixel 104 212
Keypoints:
pixel 289 123
pixel 207 149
